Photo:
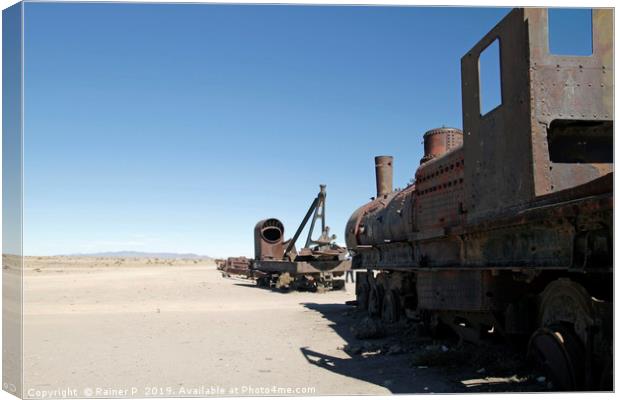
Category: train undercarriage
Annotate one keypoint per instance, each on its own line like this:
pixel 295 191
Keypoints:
pixel 317 282
pixel 566 329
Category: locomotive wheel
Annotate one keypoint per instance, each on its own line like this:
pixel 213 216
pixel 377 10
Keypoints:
pixel 338 284
pixel 363 293
pixel 566 301
pixel 374 301
pixel 559 352
pixel 377 291
pixel 606 382
pixel 558 346
pixel 263 281
pixel 390 310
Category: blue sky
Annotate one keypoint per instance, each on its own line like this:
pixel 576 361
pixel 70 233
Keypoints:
pixel 177 127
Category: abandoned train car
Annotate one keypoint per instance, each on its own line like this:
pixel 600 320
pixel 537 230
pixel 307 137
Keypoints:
pixel 318 266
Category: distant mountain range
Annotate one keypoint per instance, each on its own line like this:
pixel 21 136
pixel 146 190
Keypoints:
pixel 141 254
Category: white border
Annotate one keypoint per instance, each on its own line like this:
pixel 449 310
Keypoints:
pixel 480 3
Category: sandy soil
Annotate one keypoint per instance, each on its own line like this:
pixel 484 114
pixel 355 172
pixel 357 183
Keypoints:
pixel 96 327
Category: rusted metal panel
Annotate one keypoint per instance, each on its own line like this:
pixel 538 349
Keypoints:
pixel 556 231
pixel 399 216
pixel 536 244
pixel 578 89
pixel 548 101
pixel 303 267
pixel 544 235
pixel 464 290
pixel 439 192
pixel 497 146
pixel 237 266
pixel 365 225
pixel 355 226
pixel 390 219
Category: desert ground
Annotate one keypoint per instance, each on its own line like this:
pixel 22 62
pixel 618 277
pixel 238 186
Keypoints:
pixel 110 327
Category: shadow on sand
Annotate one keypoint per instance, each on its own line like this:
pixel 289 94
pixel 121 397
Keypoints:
pixel 402 371
pixel 270 289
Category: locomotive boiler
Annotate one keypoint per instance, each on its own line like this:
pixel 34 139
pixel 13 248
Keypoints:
pixel 507 227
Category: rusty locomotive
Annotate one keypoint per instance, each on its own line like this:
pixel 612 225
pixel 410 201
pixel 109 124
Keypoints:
pixel 507 227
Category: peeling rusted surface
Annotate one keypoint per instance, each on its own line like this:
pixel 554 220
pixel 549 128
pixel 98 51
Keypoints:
pixel 237 266
pixel 440 141
pixel 269 239
pixel 511 147
pixel 336 267
pixel 383 173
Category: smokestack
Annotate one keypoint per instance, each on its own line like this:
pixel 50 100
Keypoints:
pixel 269 240
pixel 383 172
